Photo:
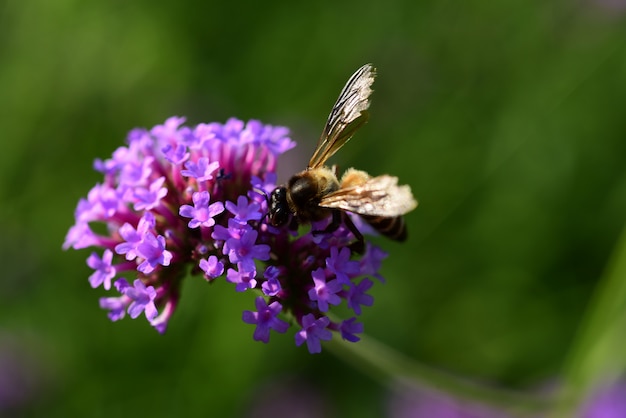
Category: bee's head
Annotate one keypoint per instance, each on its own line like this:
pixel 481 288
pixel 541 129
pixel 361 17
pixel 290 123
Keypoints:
pixel 278 208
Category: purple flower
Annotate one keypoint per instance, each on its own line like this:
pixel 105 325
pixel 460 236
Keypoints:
pixel 133 237
pixel 265 319
pixel 108 201
pixel 179 199
pixel 142 298
pixel 608 401
pixel 409 400
pixel 153 250
pixel 349 328
pixel 243 279
pixel 150 198
pixel 234 230
pixel 324 292
pixel 243 211
pixel 175 154
pixel 212 267
pixel 116 306
pixel 265 185
pixel 169 130
pixel 80 236
pixel 357 296
pixel 340 264
pixel 372 260
pixel 313 331
pixel 24 377
pixel 104 270
pixel 135 173
pixel 87 210
pixel 201 213
pixel 201 170
pixel 245 250
pixel 272 286
pixel 160 322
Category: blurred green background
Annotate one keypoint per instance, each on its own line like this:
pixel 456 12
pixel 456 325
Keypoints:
pixel 506 118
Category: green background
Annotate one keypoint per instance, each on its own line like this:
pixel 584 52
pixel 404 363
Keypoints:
pixel 506 118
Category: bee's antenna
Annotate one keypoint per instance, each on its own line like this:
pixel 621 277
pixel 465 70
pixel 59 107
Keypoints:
pixel 267 200
pixel 262 193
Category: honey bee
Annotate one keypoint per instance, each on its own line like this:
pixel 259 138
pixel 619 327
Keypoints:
pixel 315 193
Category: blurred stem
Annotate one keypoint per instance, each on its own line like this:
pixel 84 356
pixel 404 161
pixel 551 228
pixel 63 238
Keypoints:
pixel 391 367
pixel 597 354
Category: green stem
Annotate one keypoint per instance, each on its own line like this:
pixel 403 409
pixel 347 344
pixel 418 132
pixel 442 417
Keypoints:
pixel 384 364
pixel 597 355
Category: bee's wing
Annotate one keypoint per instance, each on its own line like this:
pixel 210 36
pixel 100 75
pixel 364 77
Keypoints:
pixel 347 115
pixel 378 196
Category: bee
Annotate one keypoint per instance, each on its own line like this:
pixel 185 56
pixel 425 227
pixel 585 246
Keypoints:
pixel 315 193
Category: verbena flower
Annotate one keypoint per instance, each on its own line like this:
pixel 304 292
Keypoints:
pixel 410 400
pixel 607 401
pixel 180 200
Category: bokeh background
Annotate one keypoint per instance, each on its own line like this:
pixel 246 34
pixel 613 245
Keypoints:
pixel 506 118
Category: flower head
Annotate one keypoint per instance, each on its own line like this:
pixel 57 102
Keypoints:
pixel 176 197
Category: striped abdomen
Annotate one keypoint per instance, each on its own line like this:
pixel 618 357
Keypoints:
pixel 393 228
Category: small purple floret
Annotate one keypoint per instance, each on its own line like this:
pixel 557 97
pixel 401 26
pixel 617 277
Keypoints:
pixel 212 267
pixel 116 306
pixel 324 292
pixel 150 198
pixel 265 319
pixel 349 328
pixel 142 299
pixel 358 297
pixel 340 264
pixel 244 211
pixel 104 270
pixel 201 213
pixel 272 286
pixel 245 249
pixel 244 280
pixel 133 237
pixel 313 332
pixel 201 170
pixel 153 250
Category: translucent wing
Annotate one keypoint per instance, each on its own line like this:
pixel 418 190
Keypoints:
pixel 378 196
pixel 347 115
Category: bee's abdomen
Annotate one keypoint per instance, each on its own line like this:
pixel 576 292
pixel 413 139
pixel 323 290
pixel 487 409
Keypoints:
pixel 393 228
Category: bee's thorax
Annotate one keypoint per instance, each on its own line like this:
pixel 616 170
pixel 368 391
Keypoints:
pixel 306 189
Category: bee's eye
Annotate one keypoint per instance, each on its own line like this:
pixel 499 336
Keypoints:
pixel 278 208
pixel 279 217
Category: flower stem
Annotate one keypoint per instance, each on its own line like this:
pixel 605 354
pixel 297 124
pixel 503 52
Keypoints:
pixel 391 367
pixel 597 354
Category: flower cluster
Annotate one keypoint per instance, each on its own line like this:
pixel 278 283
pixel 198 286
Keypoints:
pixel 179 200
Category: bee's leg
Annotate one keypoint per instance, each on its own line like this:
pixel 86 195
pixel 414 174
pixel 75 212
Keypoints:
pixel 339 216
pixel 357 246
pixel 293 224
pixel 332 226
